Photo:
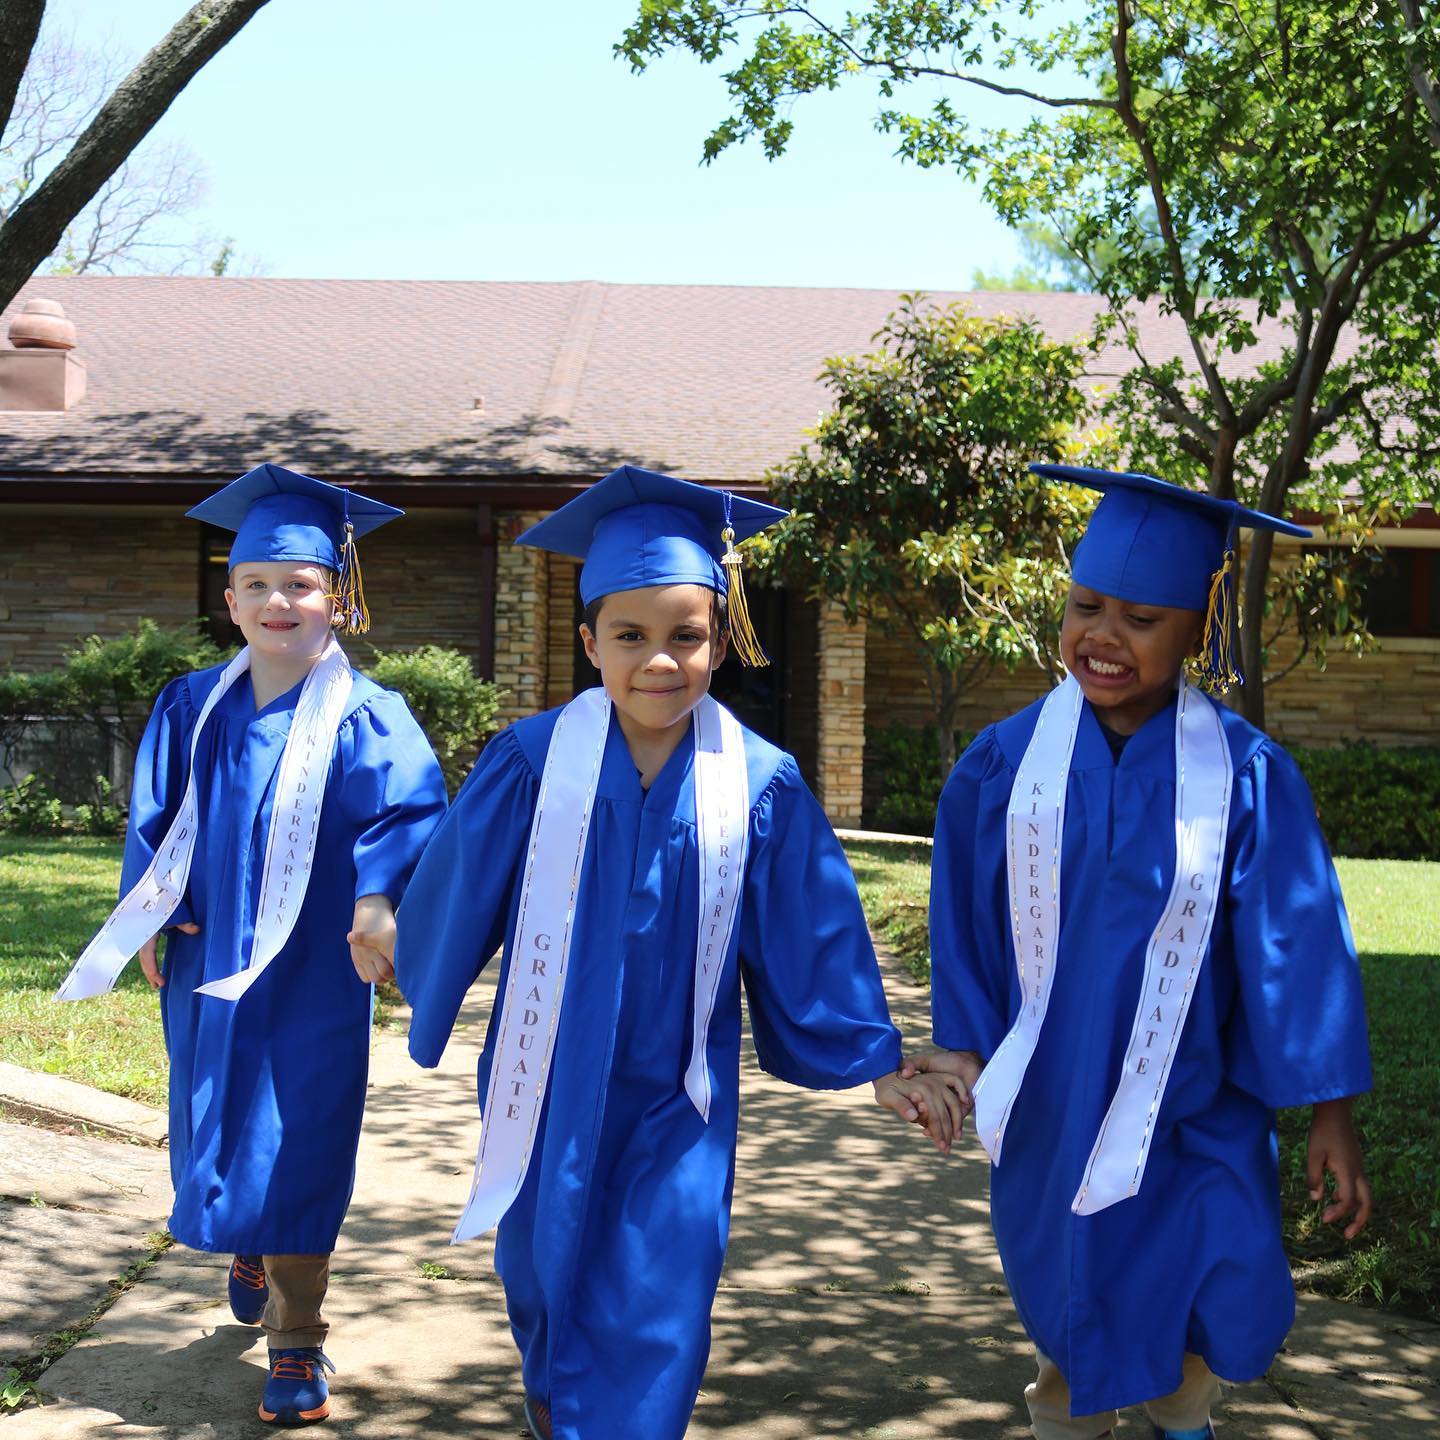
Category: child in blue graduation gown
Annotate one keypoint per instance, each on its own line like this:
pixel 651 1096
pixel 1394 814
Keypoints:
pixel 1139 953
pixel 616 1206
pixel 267 1090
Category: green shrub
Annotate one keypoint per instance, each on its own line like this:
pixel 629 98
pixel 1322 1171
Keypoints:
pixel 903 778
pixel 112 683
pixel 30 808
pixel 1373 803
pixel 455 708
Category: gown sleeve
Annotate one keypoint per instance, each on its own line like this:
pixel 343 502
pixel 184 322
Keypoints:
pixel 970 960
pixel 1297 1035
pixel 162 762
pixel 392 791
pixel 454 915
pixel 817 1007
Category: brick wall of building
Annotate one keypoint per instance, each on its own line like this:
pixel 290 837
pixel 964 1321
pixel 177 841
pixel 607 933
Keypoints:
pixel 564 618
pixel 840 760
pixel 66 573
pixel 422 581
pixel 522 618
pixel 1390 696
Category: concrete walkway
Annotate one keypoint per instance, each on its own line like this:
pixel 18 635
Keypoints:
pixel 862 1296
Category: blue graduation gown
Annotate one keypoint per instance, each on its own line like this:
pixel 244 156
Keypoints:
pixel 612 1251
pixel 267 1092
pixel 1194 1261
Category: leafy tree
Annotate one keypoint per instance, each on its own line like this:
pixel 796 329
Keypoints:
pixel 83 182
pixel 912 507
pixel 1261 174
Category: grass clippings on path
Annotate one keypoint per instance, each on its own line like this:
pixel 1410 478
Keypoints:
pixel 1394 910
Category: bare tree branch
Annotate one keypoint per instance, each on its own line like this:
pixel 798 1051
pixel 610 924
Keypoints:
pixel 35 227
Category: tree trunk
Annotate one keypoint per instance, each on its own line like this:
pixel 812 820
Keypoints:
pixel 19 27
pixel 36 226
pixel 947 702
pixel 1252 615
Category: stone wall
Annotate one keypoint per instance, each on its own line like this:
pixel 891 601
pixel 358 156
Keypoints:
pixel 522 617
pixel 423 584
pixel 564 618
pixel 840 762
pixel 68 572
pixel 1390 696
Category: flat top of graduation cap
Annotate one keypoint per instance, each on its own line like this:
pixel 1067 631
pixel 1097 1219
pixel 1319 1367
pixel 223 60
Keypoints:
pixel 1154 543
pixel 637 528
pixel 280 514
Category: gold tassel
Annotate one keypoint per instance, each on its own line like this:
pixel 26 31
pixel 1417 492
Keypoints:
pixel 1215 668
pixel 742 629
pixel 354 614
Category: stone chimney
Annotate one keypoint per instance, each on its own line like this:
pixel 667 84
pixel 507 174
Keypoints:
pixel 41 372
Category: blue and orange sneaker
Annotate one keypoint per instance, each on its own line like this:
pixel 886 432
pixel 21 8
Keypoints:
pixel 296 1392
pixel 248 1290
pixel 1206 1432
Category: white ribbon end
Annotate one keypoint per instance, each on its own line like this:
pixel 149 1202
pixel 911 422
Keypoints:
pixel 231 987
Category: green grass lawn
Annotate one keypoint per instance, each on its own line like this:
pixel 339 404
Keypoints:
pixel 53 896
pixel 1395 912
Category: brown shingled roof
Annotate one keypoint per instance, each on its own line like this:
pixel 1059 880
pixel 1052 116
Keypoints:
pixel 201 376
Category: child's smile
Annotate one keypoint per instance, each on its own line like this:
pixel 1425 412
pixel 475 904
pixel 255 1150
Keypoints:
pixel 1127 657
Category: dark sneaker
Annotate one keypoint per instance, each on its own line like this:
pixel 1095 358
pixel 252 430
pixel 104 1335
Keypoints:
pixel 1206 1432
pixel 296 1392
pixel 248 1290
pixel 537 1417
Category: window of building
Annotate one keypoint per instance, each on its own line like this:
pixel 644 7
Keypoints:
pixel 1403 597
pixel 214 577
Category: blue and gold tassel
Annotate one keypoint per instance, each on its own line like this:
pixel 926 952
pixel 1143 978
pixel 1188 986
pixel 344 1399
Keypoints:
pixel 1215 667
pixel 352 614
pixel 742 629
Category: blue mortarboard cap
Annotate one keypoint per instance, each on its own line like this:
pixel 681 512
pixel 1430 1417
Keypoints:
pixel 1154 543
pixel 279 514
pixel 637 527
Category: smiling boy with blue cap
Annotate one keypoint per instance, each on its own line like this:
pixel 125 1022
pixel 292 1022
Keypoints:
pixel 279 803
pixel 640 854
pixel 1139 953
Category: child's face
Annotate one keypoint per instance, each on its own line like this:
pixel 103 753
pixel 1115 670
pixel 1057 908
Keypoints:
pixel 283 609
pixel 655 649
pixel 1127 657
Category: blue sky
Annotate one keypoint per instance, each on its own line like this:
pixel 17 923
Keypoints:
pixel 469 139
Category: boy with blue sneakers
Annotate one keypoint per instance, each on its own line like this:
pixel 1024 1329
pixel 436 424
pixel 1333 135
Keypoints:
pixel 279 805
pixel 1139 954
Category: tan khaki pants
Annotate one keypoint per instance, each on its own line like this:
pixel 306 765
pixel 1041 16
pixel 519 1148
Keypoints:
pixel 1049 1401
pixel 292 1317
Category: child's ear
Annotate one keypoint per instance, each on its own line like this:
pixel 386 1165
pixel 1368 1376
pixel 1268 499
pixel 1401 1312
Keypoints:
pixel 233 607
pixel 720 650
pixel 587 636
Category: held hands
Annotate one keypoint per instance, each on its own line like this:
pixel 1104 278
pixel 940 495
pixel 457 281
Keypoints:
pixel 958 1069
pixel 148 962
pixel 372 939
pixel 1334 1147
pixel 938 1102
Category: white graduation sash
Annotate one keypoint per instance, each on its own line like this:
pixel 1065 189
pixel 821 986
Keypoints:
pixel 289 850
pixel 1177 947
pixel 529 1018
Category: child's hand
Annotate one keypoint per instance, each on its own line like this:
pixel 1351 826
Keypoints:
pixel 965 1065
pixel 372 939
pixel 935 1101
pixel 148 962
pixel 1334 1147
